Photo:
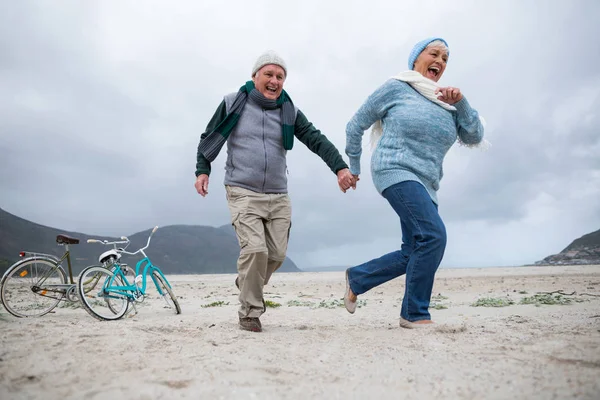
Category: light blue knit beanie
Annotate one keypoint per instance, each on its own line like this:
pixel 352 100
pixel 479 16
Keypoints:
pixel 419 47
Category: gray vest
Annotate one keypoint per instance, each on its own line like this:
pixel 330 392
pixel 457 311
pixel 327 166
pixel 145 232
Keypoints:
pixel 255 155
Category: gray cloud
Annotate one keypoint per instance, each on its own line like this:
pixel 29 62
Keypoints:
pixel 103 104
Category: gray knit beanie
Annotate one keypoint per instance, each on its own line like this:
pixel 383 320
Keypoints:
pixel 269 57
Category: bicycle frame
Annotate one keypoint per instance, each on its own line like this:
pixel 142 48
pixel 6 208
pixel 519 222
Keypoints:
pixel 56 288
pixel 65 256
pixel 131 290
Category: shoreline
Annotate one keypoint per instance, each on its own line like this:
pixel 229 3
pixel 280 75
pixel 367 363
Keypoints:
pixel 450 272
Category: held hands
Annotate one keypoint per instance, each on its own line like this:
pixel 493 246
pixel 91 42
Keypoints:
pixel 346 180
pixel 450 95
pixel 202 185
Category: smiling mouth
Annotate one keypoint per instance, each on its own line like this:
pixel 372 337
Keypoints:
pixel 271 89
pixel 435 71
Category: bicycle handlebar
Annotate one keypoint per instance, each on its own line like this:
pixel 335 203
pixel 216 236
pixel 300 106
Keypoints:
pixel 106 242
pixel 125 240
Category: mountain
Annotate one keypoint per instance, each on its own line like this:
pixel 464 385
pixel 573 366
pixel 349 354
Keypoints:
pixel 176 249
pixel 582 251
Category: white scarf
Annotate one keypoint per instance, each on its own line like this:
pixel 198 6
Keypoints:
pixel 426 87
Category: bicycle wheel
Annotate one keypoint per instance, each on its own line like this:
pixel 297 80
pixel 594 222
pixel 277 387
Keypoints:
pixel 91 281
pixel 28 288
pixel 101 293
pixel 165 291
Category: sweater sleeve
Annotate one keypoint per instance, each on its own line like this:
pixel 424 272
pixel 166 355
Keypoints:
pixel 373 109
pixel 202 164
pixel 470 129
pixel 318 143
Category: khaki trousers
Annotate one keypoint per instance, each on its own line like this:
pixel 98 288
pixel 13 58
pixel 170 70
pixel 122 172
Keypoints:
pixel 262 225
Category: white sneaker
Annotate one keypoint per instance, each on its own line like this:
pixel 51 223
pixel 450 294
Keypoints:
pixel 350 305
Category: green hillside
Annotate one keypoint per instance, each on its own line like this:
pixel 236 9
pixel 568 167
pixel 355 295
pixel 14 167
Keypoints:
pixel 176 249
pixel 589 240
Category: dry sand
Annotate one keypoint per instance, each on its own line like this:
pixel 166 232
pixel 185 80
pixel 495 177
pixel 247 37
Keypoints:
pixel 305 352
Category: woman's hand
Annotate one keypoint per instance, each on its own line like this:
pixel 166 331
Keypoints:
pixel 450 95
pixel 345 180
pixel 356 179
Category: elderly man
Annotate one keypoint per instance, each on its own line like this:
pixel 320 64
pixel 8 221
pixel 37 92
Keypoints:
pixel 259 124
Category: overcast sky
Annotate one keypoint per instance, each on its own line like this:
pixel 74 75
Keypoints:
pixel 102 104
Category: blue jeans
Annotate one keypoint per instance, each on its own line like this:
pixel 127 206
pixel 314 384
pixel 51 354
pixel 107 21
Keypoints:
pixel 423 245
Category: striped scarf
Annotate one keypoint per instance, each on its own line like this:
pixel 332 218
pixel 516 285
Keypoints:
pixel 211 145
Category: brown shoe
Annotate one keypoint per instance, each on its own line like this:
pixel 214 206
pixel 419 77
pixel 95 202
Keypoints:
pixel 250 324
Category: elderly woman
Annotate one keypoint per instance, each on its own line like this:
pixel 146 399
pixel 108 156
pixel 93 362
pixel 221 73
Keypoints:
pixel 416 122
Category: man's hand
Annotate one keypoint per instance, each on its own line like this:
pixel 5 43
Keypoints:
pixel 202 184
pixel 346 180
pixel 450 95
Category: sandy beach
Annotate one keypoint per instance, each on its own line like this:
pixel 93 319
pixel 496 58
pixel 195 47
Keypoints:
pixel 312 348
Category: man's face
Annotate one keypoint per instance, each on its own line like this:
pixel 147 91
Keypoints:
pixel 269 81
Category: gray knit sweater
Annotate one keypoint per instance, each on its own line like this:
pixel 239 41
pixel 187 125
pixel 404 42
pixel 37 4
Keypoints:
pixel 256 159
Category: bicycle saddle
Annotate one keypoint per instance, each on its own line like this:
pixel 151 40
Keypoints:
pixel 64 239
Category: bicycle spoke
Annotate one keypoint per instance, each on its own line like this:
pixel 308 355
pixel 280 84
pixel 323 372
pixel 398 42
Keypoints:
pixel 165 291
pixel 102 294
pixel 27 288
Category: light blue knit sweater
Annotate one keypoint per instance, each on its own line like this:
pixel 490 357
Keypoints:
pixel 417 134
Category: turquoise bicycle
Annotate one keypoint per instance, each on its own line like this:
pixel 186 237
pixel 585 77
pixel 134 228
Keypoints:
pixel 112 294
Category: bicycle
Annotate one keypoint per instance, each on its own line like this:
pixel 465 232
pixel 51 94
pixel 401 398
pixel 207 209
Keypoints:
pixel 111 300
pixel 34 286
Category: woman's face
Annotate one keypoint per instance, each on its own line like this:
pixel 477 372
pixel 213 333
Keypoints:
pixel 431 63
